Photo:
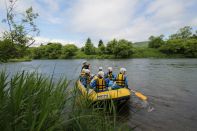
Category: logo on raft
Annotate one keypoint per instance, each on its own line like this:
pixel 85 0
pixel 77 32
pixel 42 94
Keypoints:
pixel 102 97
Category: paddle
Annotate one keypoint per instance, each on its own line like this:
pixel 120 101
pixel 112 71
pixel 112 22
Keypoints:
pixel 140 95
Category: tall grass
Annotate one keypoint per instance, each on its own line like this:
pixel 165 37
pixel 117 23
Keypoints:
pixel 30 101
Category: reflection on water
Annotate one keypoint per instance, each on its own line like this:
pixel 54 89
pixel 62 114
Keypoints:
pixel 169 84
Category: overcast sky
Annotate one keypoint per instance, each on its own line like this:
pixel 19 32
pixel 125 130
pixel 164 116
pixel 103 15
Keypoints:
pixel 72 21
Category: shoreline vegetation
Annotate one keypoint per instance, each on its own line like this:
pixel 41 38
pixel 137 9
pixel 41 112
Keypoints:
pixel 183 44
pixel 32 101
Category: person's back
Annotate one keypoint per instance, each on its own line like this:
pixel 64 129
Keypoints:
pixel 96 75
pixel 85 79
pixel 110 74
pixel 100 68
pixel 121 79
pixel 100 83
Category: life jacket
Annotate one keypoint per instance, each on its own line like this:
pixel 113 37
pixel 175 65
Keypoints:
pixel 120 80
pixel 100 84
pixel 110 75
pixel 82 74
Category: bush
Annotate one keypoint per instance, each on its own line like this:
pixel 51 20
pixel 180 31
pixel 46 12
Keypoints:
pixel 68 51
pixel 145 52
pixel 190 48
pixel 155 42
pixel 175 46
pixel 123 49
pixel 6 49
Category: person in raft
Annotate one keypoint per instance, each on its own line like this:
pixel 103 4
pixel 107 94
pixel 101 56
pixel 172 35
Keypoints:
pixel 110 74
pixel 121 79
pixel 100 68
pixel 85 78
pixel 100 83
pixel 96 75
pixel 85 65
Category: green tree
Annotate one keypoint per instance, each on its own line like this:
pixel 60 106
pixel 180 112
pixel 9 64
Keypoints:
pixel 82 49
pixel 111 46
pixel 182 33
pixel 21 28
pixel 190 48
pixel 89 48
pixel 53 50
pixel 36 52
pixel 155 41
pixel 100 43
pixel 101 49
pixel 123 49
pixel 69 50
pixel 6 50
pixel 173 46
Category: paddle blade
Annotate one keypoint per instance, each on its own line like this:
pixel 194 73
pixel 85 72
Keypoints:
pixel 141 96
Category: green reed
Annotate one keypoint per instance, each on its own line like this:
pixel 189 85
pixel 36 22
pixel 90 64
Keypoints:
pixel 33 102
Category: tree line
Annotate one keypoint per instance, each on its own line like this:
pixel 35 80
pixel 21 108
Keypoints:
pixel 119 49
pixel 184 43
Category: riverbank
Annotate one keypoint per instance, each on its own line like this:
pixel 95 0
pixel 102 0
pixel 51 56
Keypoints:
pixel 24 59
pixel 138 52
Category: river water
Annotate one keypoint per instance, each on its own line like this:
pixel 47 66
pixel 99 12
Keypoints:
pixel 169 84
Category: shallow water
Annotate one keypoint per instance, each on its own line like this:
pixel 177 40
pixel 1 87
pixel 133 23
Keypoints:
pixel 170 84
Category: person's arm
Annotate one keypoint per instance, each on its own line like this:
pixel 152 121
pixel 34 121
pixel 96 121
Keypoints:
pixel 113 77
pixel 126 82
pixel 107 82
pixel 83 81
pixel 93 84
pixel 105 76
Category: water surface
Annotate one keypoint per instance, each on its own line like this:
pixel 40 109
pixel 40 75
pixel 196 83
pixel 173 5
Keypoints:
pixel 170 84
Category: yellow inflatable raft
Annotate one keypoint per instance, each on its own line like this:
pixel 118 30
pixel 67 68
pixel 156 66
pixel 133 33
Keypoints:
pixel 122 94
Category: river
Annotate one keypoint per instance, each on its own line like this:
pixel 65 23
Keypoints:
pixel 169 84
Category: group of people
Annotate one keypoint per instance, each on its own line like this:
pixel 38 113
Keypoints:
pixel 102 81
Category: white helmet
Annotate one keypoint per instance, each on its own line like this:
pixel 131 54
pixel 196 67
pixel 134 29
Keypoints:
pixel 87 71
pixel 84 62
pixel 110 68
pixel 100 68
pixel 122 70
pixel 101 73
